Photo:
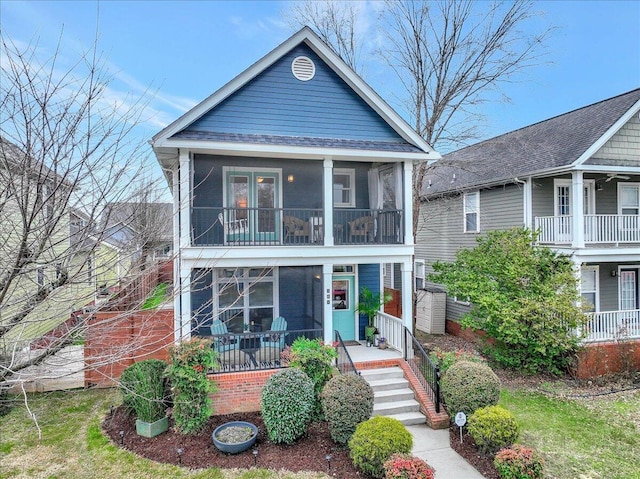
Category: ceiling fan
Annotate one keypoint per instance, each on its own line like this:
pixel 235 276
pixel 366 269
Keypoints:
pixel 611 176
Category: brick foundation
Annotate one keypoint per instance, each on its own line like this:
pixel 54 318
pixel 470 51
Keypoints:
pixel 599 359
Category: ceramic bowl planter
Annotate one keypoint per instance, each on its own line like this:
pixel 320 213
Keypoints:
pixel 234 437
pixel 152 429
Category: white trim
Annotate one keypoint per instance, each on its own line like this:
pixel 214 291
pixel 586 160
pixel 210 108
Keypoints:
pixel 464 211
pixel 406 270
pixel 599 143
pixel 351 174
pixel 307 36
pixel 527 203
pixel 185 198
pixel 327 199
pixel 407 195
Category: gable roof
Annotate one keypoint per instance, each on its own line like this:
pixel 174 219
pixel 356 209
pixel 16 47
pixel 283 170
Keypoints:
pixel 411 143
pixel 558 144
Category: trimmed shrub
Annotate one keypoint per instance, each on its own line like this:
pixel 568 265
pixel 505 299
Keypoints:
pixel 406 466
pixel 316 359
pixel 190 362
pixel 445 359
pixel 375 441
pixel 468 386
pixel 142 386
pixel 492 428
pixel 519 462
pixel 347 400
pixel 287 402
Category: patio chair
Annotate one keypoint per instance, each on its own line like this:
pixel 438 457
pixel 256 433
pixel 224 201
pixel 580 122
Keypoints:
pixel 234 229
pixel 295 228
pixel 222 341
pixel 361 228
pixel 274 337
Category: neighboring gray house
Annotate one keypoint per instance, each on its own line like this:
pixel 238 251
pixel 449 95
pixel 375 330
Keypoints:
pixel 292 189
pixel 586 161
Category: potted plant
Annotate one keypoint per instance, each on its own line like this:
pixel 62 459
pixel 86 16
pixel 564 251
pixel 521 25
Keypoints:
pixel 369 305
pixel 234 437
pixel 143 391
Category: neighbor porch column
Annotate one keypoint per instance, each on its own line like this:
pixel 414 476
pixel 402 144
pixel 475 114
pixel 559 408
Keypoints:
pixel 407 195
pixel 577 209
pixel 327 181
pixel 327 280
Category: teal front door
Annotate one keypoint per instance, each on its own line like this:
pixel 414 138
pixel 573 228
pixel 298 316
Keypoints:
pixel 344 318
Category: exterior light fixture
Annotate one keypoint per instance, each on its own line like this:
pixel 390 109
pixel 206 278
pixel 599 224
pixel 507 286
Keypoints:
pixel 290 178
pixel 255 457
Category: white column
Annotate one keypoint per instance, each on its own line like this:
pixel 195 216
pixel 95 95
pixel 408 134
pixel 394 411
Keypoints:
pixel 408 202
pixel 527 204
pixel 577 209
pixel 185 199
pixel 407 294
pixel 183 322
pixel 327 181
pixel 327 279
pixel 176 249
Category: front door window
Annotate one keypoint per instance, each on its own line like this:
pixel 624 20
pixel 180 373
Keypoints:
pixel 628 289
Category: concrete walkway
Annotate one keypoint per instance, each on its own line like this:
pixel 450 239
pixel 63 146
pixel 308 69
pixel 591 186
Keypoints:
pixel 433 446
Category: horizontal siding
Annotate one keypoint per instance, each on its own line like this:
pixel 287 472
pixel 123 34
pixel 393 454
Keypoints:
pixel 369 277
pixel 276 103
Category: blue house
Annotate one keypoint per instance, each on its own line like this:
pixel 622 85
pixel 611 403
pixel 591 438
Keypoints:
pixel 292 189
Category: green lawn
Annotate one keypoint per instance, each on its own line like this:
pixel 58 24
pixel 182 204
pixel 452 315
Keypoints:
pixel 73 446
pixel 581 438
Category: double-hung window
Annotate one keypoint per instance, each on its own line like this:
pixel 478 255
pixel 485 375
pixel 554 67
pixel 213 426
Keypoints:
pixel 344 187
pixel 472 212
pixel 629 198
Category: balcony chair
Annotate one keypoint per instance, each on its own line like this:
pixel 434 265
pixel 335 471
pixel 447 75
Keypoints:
pixel 274 338
pixel 226 345
pixel 362 228
pixel 295 228
pixel 234 229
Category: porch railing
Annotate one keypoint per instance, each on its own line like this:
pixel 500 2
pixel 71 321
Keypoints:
pixel 613 229
pixel 612 325
pixel 367 226
pixel 427 373
pixel 343 361
pixel 256 351
pixel 390 328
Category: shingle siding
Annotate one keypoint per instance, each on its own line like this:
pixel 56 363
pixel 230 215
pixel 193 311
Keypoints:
pixel 624 145
pixel 276 103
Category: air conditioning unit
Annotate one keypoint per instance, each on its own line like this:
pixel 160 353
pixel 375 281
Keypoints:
pixel 431 310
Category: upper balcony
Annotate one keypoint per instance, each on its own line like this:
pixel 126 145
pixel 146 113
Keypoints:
pixel 294 226
pixel 598 229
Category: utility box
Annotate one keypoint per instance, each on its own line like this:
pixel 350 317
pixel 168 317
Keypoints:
pixel 431 310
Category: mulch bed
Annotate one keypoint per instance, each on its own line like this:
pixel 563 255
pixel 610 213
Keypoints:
pixel 468 450
pixel 307 454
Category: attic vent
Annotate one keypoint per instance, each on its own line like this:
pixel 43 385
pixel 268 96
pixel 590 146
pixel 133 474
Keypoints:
pixel 303 68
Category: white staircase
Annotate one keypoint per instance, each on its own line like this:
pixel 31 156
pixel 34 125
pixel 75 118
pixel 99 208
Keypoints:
pixel 392 395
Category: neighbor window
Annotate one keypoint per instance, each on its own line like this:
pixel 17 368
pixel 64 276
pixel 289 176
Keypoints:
pixel 418 271
pixel 344 187
pixel 589 287
pixel 471 212
pixel 629 199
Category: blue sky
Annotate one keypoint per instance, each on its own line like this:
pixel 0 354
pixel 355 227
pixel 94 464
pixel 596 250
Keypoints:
pixel 187 50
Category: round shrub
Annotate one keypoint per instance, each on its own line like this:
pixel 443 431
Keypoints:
pixel 347 400
pixel 287 402
pixel 375 441
pixel 492 428
pixel 406 466
pixel 468 386
pixel 519 462
pixel 142 386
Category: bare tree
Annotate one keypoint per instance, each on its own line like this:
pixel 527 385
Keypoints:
pixel 66 150
pixel 336 24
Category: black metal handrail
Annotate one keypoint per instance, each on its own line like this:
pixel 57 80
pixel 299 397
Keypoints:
pixel 427 373
pixel 344 363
